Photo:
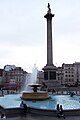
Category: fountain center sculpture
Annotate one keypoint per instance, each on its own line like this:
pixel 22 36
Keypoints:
pixel 35 94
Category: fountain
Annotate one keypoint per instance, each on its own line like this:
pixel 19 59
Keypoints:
pixel 34 94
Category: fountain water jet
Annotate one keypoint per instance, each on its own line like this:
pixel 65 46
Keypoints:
pixel 31 78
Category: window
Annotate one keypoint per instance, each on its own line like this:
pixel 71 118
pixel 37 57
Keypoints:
pixel 72 75
pixel 69 80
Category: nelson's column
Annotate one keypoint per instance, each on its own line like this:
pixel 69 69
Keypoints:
pixel 49 69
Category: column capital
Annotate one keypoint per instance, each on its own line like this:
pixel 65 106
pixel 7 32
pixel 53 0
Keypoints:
pixel 49 16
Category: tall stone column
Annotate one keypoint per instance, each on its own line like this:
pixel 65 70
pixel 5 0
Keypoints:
pixel 49 16
pixel 49 69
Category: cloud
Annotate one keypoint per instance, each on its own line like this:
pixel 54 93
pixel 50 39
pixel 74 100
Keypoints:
pixel 23 33
pixel 18 23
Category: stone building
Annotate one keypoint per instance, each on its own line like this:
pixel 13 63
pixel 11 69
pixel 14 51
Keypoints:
pixel 69 74
pixel 77 72
pixel 59 75
pixel 13 77
pixel 1 77
pixel 40 76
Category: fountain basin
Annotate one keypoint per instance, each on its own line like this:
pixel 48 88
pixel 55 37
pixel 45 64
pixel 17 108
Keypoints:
pixel 69 103
pixel 40 95
pixel 11 104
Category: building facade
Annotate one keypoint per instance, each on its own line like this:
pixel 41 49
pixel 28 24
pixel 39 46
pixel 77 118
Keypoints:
pixel 13 77
pixel 1 77
pixel 59 75
pixel 69 74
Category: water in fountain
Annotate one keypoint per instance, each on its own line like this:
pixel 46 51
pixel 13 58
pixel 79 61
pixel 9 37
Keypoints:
pixel 31 78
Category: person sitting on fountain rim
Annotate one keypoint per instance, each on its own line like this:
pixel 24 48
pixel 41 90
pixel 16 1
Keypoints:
pixel 23 107
pixel 3 117
pixel 61 112
pixel 57 111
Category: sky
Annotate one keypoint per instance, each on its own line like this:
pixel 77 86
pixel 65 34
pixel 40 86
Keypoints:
pixel 23 32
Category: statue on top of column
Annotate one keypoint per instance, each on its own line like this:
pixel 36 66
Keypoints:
pixel 49 9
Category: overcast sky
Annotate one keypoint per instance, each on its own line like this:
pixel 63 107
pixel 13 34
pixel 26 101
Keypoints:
pixel 23 32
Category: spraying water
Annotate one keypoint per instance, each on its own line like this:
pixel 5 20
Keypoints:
pixel 34 75
pixel 31 78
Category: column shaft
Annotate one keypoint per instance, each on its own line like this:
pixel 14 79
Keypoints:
pixel 49 42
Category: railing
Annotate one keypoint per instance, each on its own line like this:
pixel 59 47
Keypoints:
pixel 64 90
